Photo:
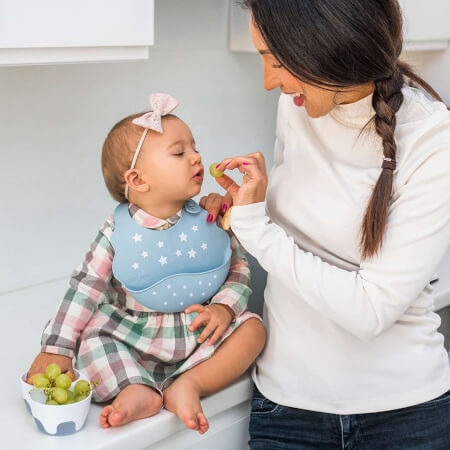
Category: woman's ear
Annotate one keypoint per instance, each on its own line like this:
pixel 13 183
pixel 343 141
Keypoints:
pixel 135 182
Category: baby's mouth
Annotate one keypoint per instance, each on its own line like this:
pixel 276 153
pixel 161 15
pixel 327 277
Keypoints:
pixel 199 175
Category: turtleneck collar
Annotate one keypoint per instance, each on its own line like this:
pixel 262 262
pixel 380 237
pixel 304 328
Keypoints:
pixel 356 114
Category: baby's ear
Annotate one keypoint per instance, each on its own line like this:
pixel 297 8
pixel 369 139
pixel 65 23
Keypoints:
pixel 135 182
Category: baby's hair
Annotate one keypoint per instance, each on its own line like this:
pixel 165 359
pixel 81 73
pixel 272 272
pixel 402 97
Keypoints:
pixel 118 151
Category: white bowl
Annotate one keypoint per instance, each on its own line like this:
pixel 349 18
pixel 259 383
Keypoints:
pixel 57 420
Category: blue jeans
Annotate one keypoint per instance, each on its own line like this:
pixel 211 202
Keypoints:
pixel 275 427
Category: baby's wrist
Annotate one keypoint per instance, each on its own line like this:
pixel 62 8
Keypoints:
pixel 227 308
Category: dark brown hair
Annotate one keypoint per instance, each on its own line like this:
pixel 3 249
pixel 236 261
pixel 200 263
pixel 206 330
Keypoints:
pixel 336 44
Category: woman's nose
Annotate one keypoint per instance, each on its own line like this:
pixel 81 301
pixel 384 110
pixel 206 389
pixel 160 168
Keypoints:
pixel 271 81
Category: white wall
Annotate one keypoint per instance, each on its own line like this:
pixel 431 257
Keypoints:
pixel 434 67
pixel 53 120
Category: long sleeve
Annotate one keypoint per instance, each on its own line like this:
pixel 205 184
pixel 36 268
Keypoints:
pixel 236 289
pixel 365 302
pixel 87 288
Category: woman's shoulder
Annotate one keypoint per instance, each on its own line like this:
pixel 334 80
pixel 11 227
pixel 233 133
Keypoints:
pixel 422 132
pixel 418 108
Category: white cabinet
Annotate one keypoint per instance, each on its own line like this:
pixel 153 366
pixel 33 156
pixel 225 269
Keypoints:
pixel 55 31
pixel 426 26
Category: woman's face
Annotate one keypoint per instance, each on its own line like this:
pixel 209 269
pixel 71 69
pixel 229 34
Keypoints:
pixel 317 101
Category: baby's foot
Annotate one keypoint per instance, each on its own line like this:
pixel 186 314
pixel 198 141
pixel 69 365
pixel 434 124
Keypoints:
pixel 182 398
pixel 136 401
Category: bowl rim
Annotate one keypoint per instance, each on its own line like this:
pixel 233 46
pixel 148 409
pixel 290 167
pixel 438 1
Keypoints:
pixel 70 404
pixel 76 372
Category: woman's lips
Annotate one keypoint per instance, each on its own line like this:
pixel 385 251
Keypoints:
pixel 298 98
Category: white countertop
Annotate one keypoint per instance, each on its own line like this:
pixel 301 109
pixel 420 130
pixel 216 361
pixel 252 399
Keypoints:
pixel 25 325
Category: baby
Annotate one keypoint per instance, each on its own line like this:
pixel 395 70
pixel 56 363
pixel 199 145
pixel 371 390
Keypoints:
pixel 157 310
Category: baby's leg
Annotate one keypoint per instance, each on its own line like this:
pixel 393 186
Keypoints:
pixel 121 376
pixel 231 359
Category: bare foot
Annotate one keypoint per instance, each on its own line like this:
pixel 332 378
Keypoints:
pixel 182 398
pixel 136 401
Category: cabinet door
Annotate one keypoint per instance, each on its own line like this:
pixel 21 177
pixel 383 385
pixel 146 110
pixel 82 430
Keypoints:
pixel 50 27
pixel 426 25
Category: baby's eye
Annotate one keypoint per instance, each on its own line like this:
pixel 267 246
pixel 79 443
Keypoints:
pixel 179 154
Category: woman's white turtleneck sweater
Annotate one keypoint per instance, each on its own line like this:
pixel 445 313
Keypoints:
pixel 347 336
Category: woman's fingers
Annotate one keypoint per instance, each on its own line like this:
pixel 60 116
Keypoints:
pixel 227 202
pixel 254 159
pixel 261 162
pixel 229 185
pixel 216 204
pixel 243 164
pixel 214 208
pixel 248 167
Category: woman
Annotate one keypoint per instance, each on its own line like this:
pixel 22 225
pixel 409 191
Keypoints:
pixel 354 224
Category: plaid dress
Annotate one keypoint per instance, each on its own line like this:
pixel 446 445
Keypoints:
pixel 121 342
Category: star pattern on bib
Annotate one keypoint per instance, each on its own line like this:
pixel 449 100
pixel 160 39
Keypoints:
pixel 180 294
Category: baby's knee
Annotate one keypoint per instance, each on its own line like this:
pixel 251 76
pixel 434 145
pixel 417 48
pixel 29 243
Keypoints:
pixel 255 328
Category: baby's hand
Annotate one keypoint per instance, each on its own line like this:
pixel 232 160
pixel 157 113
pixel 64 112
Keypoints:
pixel 42 360
pixel 216 318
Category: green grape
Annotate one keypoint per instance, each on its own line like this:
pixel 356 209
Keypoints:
pixel 70 395
pixel 83 387
pixel 70 401
pixel 40 381
pixel 60 395
pixel 215 172
pixel 63 381
pixel 80 397
pixel 51 402
pixel 53 371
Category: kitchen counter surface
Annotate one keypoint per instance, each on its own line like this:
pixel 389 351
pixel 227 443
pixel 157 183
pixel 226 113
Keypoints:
pixel 163 431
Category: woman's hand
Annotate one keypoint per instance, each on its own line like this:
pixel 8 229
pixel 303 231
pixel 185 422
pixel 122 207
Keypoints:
pixel 216 205
pixel 254 183
pixel 215 317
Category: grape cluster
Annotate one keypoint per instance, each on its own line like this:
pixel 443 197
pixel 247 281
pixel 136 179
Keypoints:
pixel 56 386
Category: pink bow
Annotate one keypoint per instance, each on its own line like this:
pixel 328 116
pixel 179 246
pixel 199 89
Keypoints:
pixel 161 105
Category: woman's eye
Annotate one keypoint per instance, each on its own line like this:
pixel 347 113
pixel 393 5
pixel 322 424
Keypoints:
pixel 277 66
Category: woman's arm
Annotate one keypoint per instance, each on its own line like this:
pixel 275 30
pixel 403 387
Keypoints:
pixel 368 301
pixel 87 288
